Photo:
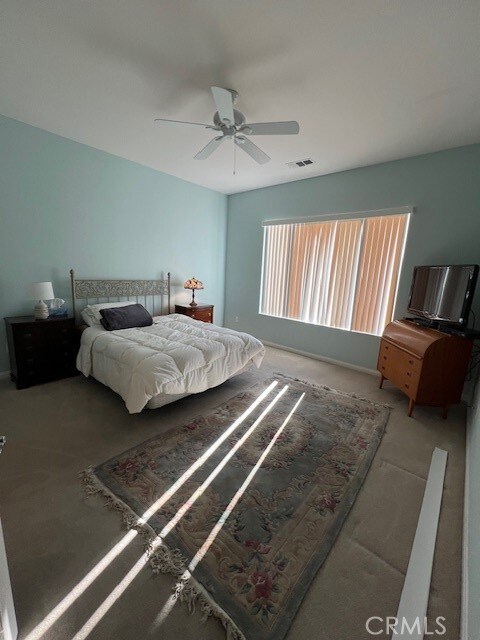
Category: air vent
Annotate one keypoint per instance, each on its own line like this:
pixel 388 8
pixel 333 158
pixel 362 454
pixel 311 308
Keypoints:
pixel 300 163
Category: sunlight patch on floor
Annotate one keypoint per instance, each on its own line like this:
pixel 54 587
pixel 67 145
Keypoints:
pixel 98 569
pixel 100 612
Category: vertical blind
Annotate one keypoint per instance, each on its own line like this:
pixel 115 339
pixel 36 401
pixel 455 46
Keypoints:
pixel 338 273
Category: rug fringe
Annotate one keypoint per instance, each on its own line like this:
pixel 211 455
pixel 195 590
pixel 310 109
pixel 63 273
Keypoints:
pixel 340 393
pixel 191 592
pixel 162 559
pixel 92 485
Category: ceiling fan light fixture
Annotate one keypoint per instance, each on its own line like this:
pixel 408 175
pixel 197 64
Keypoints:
pixel 231 123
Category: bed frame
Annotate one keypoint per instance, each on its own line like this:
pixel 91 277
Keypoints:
pixel 96 291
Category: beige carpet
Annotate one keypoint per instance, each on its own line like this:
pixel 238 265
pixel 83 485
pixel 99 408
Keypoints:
pixel 54 536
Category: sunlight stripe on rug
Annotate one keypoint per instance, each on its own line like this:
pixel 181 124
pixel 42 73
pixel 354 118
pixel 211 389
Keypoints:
pixel 110 600
pixel 187 574
pixel 103 564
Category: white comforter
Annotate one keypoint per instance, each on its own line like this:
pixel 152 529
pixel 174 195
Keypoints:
pixel 175 355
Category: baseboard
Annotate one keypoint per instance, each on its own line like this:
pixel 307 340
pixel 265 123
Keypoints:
pixel 4 374
pixel 340 363
pixel 413 604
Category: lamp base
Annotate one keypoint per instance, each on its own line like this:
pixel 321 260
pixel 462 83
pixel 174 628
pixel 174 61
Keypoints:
pixel 41 310
pixel 193 303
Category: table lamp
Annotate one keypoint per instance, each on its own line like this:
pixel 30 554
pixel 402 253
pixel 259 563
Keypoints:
pixel 41 291
pixel 193 284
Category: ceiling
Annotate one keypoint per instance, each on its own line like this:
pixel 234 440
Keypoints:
pixel 368 80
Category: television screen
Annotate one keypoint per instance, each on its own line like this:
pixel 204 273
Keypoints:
pixel 443 293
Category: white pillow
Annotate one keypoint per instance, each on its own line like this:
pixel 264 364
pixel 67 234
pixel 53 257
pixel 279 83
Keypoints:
pixel 91 314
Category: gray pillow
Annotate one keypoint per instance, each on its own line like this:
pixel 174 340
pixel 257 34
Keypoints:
pixel 134 315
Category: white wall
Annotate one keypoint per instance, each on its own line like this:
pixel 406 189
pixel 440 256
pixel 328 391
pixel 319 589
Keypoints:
pixel 471 604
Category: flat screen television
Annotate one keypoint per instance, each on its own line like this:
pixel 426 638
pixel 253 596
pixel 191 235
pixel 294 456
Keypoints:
pixel 443 293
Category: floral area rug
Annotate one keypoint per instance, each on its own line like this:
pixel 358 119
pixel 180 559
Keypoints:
pixel 260 552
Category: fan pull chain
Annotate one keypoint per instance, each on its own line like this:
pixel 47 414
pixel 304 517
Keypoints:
pixel 234 158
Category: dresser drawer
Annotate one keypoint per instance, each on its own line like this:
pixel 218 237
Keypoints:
pixel 400 367
pixel 31 371
pixel 64 331
pixel 204 313
pixel 204 316
pixel 28 375
pixel 66 355
pixel 28 340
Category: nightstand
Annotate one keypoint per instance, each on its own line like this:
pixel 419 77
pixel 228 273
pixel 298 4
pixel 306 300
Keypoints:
pixel 203 312
pixel 41 350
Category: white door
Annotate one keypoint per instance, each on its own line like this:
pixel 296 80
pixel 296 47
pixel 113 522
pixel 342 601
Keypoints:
pixel 8 626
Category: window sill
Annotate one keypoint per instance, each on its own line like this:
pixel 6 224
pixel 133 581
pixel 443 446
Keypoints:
pixel 325 326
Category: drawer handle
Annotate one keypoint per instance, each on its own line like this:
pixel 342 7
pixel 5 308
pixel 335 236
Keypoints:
pixel 384 357
pixel 383 368
pixel 407 386
pixel 410 362
pixel 385 346
pixel 27 335
pixel 29 360
pixel 408 373
pixel 29 348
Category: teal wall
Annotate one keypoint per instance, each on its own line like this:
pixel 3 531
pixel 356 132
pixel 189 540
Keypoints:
pixel 63 205
pixel 445 189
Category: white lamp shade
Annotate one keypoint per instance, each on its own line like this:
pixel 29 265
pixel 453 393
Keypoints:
pixel 41 291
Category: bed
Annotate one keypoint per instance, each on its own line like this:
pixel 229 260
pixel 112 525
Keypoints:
pixel 154 365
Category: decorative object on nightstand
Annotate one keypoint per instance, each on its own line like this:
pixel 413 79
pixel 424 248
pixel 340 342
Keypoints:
pixel 41 291
pixel 194 285
pixel 203 312
pixel 58 308
pixel 41 351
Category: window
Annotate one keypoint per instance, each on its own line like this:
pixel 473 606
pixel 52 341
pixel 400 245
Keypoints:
pixel 337 273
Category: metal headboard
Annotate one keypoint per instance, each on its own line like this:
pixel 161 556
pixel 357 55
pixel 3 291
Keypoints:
pixel 105 290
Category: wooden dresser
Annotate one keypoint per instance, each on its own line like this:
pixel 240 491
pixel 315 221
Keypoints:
pixel 427 365
pixel 203 312
pixel 41 350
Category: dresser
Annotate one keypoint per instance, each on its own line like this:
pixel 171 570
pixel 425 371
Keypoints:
pixel 203 312
pixel 41 350
pixel 427 365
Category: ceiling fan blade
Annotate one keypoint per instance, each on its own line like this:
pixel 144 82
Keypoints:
pixel 253 151
pixel 195 124
pixel 209 148
pixel 224 103
pixel 287 128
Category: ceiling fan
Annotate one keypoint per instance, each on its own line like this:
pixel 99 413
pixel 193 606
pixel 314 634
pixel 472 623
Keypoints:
pixel 232 125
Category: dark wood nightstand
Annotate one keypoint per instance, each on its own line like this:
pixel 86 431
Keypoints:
pixel 203 312
pixel 41 350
